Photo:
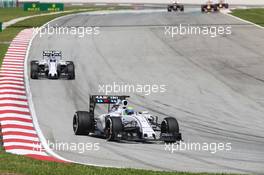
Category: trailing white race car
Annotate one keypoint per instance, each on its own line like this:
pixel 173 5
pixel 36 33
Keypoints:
pixel 52 66
pixel 123 123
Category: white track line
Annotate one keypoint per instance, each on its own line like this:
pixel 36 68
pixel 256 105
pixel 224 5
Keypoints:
pixel 230 15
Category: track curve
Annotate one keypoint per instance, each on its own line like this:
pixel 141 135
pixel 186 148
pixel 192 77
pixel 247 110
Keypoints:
pixel 214 88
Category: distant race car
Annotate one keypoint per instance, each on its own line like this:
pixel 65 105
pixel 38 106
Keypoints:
pixel 175 7
pixel 123 123
pixel 209 7
pixel 222 5
pixel 52 66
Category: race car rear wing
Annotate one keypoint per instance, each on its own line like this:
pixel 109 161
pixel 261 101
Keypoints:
pixel 50 53
pixel 104 99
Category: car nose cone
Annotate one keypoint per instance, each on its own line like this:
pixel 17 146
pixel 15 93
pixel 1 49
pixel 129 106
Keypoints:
pixel 53 76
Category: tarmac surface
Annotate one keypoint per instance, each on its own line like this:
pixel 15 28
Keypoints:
pixel 214 87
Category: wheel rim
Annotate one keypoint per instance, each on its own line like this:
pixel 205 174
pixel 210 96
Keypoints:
pixel 109 130
pixel 164 127
pixel 75 123
pixel 108 133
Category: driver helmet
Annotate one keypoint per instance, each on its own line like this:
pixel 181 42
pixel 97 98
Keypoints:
pixel 118 102
pixel 115 107
pixel 129 111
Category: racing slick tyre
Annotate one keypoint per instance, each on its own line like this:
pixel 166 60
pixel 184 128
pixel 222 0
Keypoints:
pixel 83 123
pixel 112 128
pixel 34 69
pixel 202 9
pixel 215 8
pixel 58 70
pixel 169 9
pixel 226 6
pixel 70 71
pixel 182 8
pixel 170 130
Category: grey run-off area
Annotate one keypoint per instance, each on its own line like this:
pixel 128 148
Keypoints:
pixel 215 88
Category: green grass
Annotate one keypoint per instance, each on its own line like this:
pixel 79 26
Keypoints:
pixel 23 165
pixel 10 32
pixel 3 49
pixel 255 15
pixel 7 14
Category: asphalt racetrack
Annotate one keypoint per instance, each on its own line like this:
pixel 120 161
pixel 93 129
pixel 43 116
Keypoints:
pixel 214 87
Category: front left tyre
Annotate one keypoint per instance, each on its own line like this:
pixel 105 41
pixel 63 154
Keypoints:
pixel 83 123
pixel 70 71
pixel 113 128
pixel 34 69
pixel 170 130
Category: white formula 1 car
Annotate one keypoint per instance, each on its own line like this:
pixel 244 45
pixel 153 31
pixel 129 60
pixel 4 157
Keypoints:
pixel 52 66
pixel 123 123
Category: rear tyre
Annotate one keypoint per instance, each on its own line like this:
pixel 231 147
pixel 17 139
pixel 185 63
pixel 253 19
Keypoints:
pixel 83 123
pixel 215 8
pixel 113 127
pixel 182 8
pixel 226 6
pixel 58 70
pixel 202 9
pixel 170 128
pixel 70 71
pixel 34 69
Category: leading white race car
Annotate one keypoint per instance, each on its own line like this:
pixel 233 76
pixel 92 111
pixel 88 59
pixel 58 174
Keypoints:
pixel 123 123
pixel 52 66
